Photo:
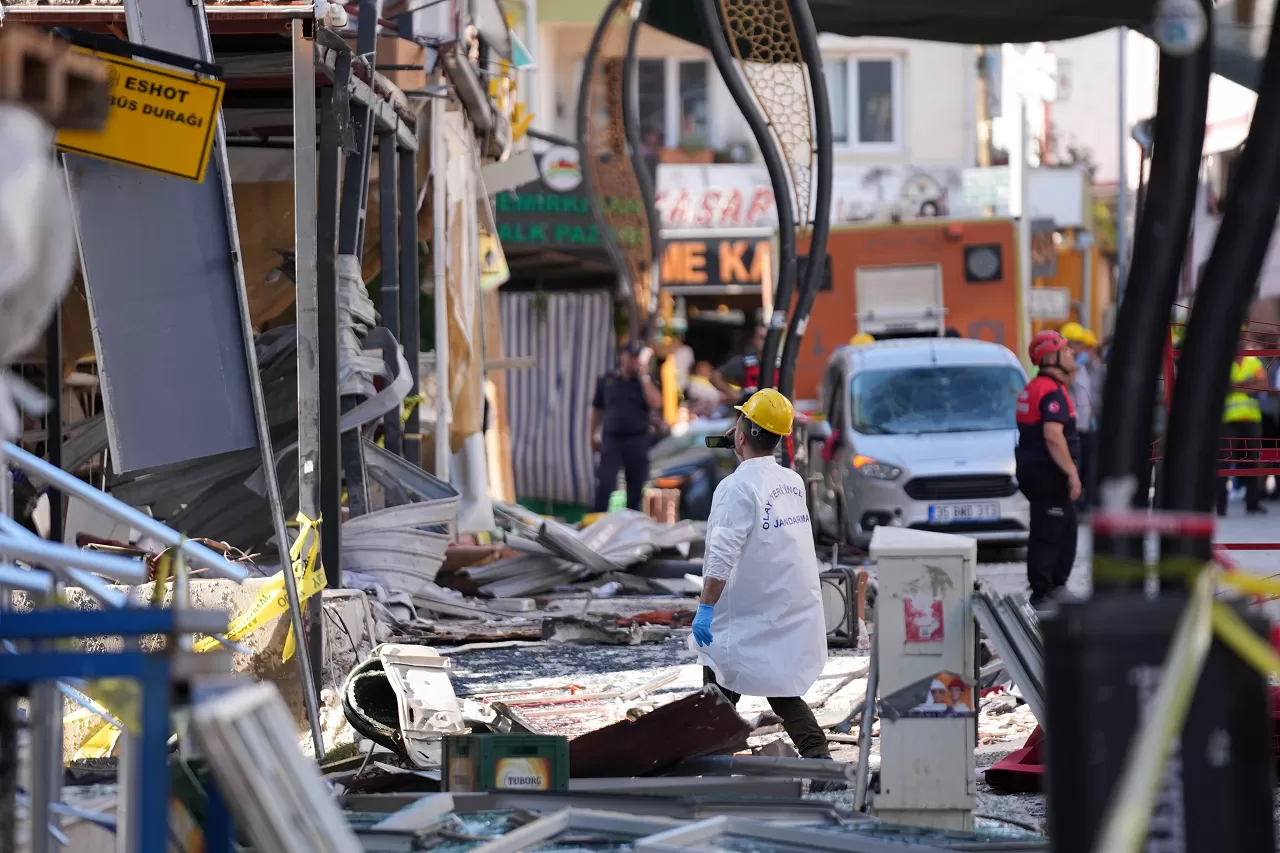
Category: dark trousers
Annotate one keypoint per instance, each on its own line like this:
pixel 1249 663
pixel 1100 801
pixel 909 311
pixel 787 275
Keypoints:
pixel 626 453
pixel 1241 441
pixel 1088 456
pixel 1051 546
pixel 797 718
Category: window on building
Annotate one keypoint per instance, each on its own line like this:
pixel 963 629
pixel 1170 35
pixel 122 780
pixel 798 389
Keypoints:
pixel 837 73
pixel 691 81
pixel 651 85
pixel 875 102
pixel 865 101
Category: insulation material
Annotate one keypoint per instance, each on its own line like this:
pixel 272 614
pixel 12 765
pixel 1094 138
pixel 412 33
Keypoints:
pixel 470 478
pixel 462 279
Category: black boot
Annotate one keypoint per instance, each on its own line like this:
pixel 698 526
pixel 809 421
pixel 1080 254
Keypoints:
pixel 823 786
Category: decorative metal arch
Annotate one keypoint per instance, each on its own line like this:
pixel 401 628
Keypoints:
pixel 726 59
pixel 806 34
pixel 619 188
pixel 767 53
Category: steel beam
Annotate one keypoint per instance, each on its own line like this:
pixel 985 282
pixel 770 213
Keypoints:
pixel 306 281
pixel 390 276
pixel 410 333
pixel 439 289
pixel 329 171
pixel 53 417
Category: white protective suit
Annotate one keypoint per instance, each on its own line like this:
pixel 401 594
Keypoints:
pixel 768 629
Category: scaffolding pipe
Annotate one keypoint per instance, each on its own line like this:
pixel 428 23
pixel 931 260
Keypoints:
pixel 410 332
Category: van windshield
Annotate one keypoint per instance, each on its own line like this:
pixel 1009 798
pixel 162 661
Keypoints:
pixel 908 401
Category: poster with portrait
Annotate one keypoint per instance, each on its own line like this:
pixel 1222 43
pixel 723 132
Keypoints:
pixel 943 694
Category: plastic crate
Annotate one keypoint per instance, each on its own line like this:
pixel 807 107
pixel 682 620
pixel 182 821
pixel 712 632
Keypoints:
pixel 501 762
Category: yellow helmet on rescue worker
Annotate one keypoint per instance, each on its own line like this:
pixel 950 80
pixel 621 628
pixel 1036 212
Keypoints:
pixel 769 410
pixel 1072 331
pixel 862 338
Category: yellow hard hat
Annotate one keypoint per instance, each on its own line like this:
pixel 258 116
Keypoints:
pixel 862 338
pixel 769 410
pixel 1072 331
pixel 1088 338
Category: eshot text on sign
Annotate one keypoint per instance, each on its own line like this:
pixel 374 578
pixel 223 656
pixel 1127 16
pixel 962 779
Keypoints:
pixel 160 119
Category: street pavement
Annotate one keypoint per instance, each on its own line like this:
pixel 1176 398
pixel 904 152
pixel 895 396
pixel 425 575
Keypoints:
pixel 1007 577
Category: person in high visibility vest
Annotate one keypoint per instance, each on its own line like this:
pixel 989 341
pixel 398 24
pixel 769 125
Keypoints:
pixel 1242 431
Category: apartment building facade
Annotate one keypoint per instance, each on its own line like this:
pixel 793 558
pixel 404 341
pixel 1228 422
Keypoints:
pixel 902 113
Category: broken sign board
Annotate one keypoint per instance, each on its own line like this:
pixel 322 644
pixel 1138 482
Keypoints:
pixel 160 119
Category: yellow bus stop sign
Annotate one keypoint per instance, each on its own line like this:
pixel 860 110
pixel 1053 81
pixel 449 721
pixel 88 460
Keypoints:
pixel 160 119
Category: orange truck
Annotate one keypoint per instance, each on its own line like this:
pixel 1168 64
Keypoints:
pixel 911 279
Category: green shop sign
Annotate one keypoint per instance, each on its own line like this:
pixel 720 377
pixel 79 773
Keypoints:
pixel 537 216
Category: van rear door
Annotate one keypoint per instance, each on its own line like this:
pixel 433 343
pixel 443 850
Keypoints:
pixel 900 300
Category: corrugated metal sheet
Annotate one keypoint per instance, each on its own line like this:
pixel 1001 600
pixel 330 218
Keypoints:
pixel 571 339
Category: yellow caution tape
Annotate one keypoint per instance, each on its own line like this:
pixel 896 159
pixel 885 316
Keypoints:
pixel 410 403
pixel 1244 641
pixel 1249 584
pixel 273 601
pixel 119 697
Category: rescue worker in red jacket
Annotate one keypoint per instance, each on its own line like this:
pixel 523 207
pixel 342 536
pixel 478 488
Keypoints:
pixel 1048 456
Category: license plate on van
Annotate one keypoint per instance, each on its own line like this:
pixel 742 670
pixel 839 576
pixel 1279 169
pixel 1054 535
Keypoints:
pixel 964 513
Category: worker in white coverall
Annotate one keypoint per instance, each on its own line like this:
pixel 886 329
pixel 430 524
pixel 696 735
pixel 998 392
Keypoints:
pixel 760 628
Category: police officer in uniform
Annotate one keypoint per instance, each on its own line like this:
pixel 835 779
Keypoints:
pixel 1048 456
pixel 618 425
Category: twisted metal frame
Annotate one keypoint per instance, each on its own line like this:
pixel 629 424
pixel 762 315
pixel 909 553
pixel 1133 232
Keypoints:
pixel 619 190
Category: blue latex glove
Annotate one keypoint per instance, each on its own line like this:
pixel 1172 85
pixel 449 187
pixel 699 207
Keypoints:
pixel 702 625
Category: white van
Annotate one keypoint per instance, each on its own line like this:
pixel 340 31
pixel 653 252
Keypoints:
pixel 919 433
